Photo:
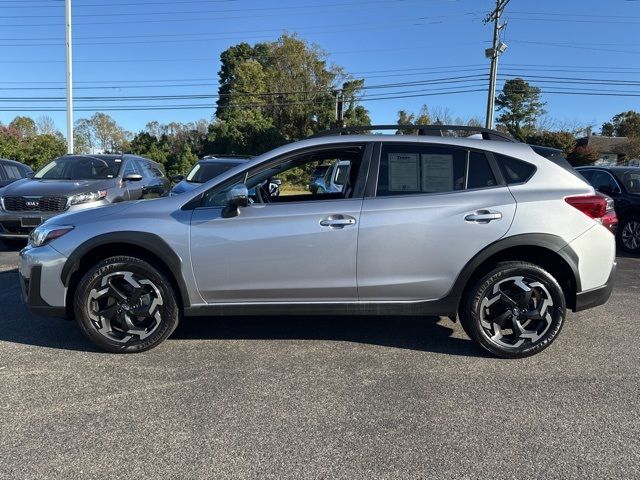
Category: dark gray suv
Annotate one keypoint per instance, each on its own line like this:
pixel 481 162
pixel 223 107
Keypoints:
pixel 76 182
pixel 11 171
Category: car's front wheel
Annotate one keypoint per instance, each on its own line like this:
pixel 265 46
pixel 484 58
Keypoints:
pixel 123 304
pixel 514 311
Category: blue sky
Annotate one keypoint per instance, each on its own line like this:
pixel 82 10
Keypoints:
pixel 163 47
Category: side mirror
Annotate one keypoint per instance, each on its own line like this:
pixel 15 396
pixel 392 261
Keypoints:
pixel 133 177
pixel 237 197
pixel 177 178
pixel 276 181
pixel 29 175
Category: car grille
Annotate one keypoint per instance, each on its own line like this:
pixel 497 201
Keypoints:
pixel 34 204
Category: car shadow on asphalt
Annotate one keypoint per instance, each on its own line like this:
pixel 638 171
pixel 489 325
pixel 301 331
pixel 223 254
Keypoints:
pixel 17 325
pixel 406 332
pixel 431 334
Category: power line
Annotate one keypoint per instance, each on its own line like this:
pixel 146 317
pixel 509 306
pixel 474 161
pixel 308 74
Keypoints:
pixel 190 12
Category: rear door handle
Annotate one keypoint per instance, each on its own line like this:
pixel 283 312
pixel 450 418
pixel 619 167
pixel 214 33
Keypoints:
pixel 337 221
pixel 483 216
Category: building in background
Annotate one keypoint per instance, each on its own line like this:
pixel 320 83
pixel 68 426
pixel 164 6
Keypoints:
pixel 611 149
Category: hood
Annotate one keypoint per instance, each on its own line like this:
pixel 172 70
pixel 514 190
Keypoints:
pixel 183 187
pixel 56 188
pixel 90 214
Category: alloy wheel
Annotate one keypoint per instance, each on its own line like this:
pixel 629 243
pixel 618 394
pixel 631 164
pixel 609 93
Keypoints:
pixel 125 306
pixel 517 310
pixel 631 235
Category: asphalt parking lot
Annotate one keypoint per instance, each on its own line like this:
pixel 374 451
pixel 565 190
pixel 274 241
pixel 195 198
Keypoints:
pixel 320 398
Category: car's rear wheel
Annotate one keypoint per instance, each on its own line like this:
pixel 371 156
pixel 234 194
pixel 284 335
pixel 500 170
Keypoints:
pixel 514 311
pixel 123 304
pixel 629 234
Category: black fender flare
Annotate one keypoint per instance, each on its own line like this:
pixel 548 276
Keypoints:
pixel 548 241
pixel 148 241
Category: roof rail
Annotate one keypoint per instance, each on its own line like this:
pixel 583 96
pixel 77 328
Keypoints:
pixel 433 130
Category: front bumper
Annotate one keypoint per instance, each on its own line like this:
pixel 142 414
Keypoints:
pixel 40 279
pixel 596 296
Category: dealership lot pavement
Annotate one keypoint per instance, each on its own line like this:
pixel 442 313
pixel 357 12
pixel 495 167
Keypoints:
pixel 320 398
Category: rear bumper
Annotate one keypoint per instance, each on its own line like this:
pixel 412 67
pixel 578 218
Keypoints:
pixel 596 296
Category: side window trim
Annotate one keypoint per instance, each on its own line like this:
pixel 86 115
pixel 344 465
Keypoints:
pixel 3 175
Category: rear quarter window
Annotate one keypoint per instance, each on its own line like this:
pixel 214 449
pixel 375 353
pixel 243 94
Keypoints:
pixel 513 170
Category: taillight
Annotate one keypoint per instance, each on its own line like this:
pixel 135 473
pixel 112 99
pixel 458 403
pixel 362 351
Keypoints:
pixel 610 220
pixel 599 207
pixel 594 206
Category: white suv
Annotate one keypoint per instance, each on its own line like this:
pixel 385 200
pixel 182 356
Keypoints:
pixel 486 230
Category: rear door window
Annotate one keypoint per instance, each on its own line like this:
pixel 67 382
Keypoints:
pixel 480 174
pixel 424 169
pixel 13 172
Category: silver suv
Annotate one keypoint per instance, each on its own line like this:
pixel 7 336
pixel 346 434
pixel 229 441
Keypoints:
pixel 481 229
pixel 76 182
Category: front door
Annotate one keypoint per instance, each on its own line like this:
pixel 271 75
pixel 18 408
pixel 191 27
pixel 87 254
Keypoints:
pixel 434 208
pixel 297 246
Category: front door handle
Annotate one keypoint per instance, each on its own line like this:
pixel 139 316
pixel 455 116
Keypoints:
pixel 337 221
pixel 483 216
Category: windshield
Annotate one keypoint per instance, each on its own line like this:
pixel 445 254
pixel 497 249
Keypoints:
pixel 631 181
pixel 203 172
pixel 80 168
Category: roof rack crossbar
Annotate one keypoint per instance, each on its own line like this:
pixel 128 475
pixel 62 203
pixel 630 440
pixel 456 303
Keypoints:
pixel 433 130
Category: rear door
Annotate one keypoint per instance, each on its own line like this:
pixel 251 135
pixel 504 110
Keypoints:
pixel 429 209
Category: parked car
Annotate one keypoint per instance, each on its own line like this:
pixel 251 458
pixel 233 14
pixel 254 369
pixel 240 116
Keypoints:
pixel 11 171
pixel 333 179
pixel 208 168
pixel 623 185
pixel 484 229
pixel 318 172
pixel 76 182
pixel 202 172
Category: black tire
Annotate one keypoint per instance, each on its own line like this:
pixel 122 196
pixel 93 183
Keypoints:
pixel 495 306
pixel 627 233
pixel 110 287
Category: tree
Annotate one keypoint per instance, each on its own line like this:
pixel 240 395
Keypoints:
pixel 631 150
pixel 520 105
pixel 406 118
pixel 35 150
pixel 100 132
pixel 45 125
pixel 583 155
pixel 354 114
pixel 25 126
pixel 565 141
pixel 625 124
pixel 183 162
pixel 83 136
pixel 276 92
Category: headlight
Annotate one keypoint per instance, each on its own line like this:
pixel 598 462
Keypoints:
pixel 45 233
pixel 88 197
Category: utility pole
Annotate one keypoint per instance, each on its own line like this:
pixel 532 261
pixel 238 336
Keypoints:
pixel 67 16
pixel 493 53
pixel 339 108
